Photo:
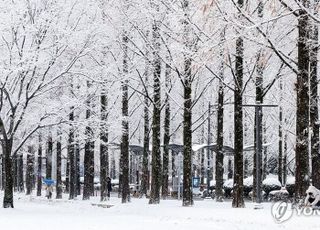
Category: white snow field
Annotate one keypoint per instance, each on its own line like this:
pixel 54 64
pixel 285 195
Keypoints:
pixel 32 213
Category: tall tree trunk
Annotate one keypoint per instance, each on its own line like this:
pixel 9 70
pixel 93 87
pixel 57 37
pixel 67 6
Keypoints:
pixel 15 172
pixel 77 153
pixel 314 112
pixel 145 160
pixel 280 156
pixel 145 184
pixel 67 182
pixel 49 157
pixel 259 99
pixel 220 154
pixel 284 170
pixel 166 137
pixel 156 152
pixel 39 170
pixel 88 186
pixel 238 201
pixel 2 179
pixel 173 167
pixel 20 174
pixel 59 182
pixel 302 118
pixel 187 137
pixel 29 170
pixel 104 161
pixel 71 156
pixel 8 189
pixel 187 112
pixel 265 152
pixel 125 193
pixel 230 171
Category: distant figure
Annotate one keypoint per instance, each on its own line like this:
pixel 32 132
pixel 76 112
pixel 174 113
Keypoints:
pixel 49 191
pixel 313 197
pixel 109 187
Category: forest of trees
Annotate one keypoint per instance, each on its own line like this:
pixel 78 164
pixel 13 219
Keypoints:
pixel 102 88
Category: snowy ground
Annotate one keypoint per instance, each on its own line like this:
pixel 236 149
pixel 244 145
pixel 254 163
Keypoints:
pixel 32 213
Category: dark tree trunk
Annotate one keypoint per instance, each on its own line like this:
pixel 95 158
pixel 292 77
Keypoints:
pixel 220 155
pixel 29 170
pixel 71 156
pixel 15 172
pixel 203 171
pixel 131 170
pixel 173 167
pixel 145 184
pixel 113 168
pixel 187 136
pixel 238 201
pixel 67 182
pixel 104 161
pixel 2 172
pixel 49 157
pixel 145 160
pixel 20 174
pixel 265 152
pixel 285 160
pixel 302 118
pixel 125 193
pixel 166 137
pixel 230 171
pixel 8 189
pixel 314 112
pixel 77 152
pixel 59 182
pixel 39 170
pixel 259 99
pixel 280 156
pixel 88 185
pixel 156 152
pixel 187 112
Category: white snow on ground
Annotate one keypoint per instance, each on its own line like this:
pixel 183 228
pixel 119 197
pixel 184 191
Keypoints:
pixel 39 213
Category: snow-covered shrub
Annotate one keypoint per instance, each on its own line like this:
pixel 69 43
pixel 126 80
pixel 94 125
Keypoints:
pixel 271 183
pixel 247 186
pixel 228 187
pixel 277 195
pixel 290 185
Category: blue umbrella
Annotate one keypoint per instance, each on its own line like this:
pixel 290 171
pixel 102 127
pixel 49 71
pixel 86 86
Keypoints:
pixel 48 181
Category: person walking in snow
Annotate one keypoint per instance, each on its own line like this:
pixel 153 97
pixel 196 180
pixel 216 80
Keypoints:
pixel 313 197
pixel 109 187
pixel 49 191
